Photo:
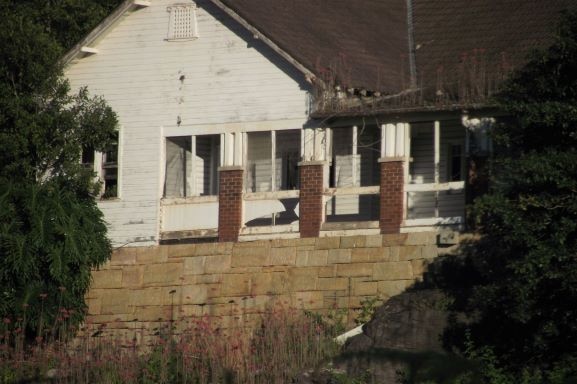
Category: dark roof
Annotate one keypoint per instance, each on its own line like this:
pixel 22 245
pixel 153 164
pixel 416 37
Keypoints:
pixel 364 43
pixel 473 44
pixel 462 48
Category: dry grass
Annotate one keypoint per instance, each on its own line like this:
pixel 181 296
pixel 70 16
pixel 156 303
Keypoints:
pixel 287 342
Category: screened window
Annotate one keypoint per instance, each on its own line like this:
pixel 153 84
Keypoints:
pixel 191 166
pixel 272 160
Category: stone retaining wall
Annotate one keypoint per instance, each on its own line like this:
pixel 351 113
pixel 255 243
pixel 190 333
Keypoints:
pixel 143 287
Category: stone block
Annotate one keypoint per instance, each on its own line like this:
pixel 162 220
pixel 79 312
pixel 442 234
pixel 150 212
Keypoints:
pixel 148 255
pixel 302 279
pixel 333 284
pixel 392 288
pixel 154 313
pixel 366 255
pixel 282 243
pixel 94 306
pixel 261 284
pixel 283 256
pixel 301 259
pixel 365 288
pixel 111 278
pixel 394 270
pixel 317 258
pixel 250 256
pixel 178 250
pixel 308 300
pixel 394 253
pixel 429 251
pixel 374 241
pixel 251 244
pixel 146 296
pixel 339 256
pixel 353 241
pixel 132 277
pixel 123 256
pixel 410 252
pixel 235 284
pixel 193 294
pixel 394 239
pixel 358 269
pixel 421 238
pixel 328 271
pixel 328 243
pixel 166 273
pixel 217 264
pixel 116 302
pixel 419 267
pixel 194 265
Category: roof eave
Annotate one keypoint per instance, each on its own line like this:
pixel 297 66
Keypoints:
pixel 101 28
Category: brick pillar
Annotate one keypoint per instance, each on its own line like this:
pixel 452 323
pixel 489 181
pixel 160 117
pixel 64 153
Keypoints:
pixel 392 181
pixel 311 199
pixel 229 203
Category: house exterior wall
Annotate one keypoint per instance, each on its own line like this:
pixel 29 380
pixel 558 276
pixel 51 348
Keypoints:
pixel 220 82
pixel 234 283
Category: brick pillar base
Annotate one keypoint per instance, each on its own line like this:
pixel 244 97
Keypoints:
pixel 311 199
pixel 229 203
pixel 392 181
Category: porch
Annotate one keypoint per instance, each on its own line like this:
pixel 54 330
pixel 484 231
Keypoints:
pixel 334 181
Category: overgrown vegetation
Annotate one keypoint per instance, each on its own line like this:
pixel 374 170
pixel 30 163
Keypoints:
pixel 51 232
pixel 517 285
pixel 286 344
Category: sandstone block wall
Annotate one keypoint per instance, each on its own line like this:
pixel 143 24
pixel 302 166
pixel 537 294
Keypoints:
pixel 140 288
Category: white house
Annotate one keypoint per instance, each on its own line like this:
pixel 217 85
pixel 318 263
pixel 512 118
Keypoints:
pixel 245 119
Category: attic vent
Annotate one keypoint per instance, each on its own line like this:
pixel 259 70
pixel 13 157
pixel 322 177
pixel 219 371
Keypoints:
pixel 182 24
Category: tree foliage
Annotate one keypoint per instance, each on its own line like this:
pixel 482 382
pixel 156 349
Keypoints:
pixel 518 283
pixel 51 231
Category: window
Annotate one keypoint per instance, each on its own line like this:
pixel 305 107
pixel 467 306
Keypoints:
pixel 109 172
pixel 455 163
pixel 182 25
pixel 191 166
pixel 265 149
pixel 354 159
pixel 105 165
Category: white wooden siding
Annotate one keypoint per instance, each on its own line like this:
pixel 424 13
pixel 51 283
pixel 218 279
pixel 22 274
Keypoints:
pixel 222 77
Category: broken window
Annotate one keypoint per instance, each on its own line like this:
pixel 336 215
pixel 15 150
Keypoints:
pixel 109 173
pixel 192 166
pixel 182 23
pixel 354 160
pixel 105 165
pixel 281 148
pixel 286 160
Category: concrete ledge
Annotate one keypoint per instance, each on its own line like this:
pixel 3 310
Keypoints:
pixel 391 159
pixel 231 168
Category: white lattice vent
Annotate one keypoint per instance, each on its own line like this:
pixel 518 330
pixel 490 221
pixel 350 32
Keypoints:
pixel 182 23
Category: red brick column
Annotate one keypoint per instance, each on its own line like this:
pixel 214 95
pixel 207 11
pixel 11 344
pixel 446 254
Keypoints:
pixel 392 181
pixel 311 199
pixel 229 203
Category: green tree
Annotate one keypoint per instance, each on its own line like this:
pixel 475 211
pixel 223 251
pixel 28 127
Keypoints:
pixel 518 283
pixel 51 231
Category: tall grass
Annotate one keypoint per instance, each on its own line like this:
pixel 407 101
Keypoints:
pixel 192 350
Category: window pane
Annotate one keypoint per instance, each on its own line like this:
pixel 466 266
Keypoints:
pixel 259 162
pixel 178 166
pixel 369 150
pixel 342 162
pixel 286 159
pixel 207 162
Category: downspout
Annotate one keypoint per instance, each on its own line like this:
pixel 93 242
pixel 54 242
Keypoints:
pixel 411 40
